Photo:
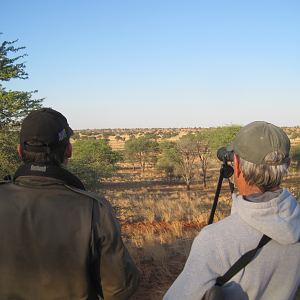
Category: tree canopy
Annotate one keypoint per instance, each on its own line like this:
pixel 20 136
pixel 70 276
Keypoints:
pixel 141 151
pixel 208 142
pixel 220 136
pixel 93 160
pixel 14 105
pixel 179 158
pixel 9 68
pixel 295 156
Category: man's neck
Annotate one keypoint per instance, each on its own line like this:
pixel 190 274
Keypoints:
pixel 247 190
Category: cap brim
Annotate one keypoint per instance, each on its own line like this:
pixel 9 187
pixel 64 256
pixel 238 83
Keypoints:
pixel 70 131
pixel 231 146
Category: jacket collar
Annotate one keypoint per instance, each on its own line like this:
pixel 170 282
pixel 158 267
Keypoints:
pixel 50 171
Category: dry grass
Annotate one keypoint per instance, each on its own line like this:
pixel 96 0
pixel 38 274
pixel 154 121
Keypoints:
pixel 165 207
pixel 159 223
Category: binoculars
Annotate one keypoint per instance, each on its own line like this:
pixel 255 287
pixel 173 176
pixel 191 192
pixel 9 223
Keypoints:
pixel 223 153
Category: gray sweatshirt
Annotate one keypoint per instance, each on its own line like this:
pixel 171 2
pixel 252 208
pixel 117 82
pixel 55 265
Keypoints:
pixel 274 272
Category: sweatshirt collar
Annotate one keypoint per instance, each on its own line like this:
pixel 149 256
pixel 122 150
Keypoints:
pixel 265 197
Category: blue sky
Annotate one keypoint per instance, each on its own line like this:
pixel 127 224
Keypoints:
pixel 160 63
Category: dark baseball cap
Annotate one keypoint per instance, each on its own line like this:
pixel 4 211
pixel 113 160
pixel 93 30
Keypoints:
pixel 48 126
pixel 255 140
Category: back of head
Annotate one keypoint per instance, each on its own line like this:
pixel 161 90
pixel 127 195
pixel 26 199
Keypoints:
pixel 263 152
pixel 44 135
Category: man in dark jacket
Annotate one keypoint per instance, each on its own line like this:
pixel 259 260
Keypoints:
pixel 58 241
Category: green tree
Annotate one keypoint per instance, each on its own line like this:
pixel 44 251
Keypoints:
pixel 166 168
pixel 220 137
pixel 132 137
pixel 141 150
pixel 118 138
pixel 295 156
pixel 294 135
pixel 203 150
pixel 130 154
pixel 204 154
pixel 93 161
pixel 164 165
pixel 14 106
pixel 106 135
pixel 180 158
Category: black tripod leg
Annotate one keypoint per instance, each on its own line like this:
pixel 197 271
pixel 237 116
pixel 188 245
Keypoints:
pixel 211 218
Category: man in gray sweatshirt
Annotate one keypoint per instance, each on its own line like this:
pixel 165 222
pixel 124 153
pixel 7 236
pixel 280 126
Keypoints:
pixel 261 159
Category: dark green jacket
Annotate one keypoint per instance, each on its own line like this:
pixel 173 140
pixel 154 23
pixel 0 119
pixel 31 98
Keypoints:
pixel 60 242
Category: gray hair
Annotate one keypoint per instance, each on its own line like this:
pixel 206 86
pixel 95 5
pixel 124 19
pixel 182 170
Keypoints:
pixel 265 177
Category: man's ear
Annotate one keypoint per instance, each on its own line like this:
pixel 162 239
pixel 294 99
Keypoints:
pixel 68 151
pixel 67 154
pixel 237 166
pixel 288 162
pixel 19 150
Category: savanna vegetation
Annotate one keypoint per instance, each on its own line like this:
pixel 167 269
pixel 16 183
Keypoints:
pixel 159 214
pixel 161 182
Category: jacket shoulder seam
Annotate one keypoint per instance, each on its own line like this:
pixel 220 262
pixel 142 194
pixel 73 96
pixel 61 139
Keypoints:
pixel 98 198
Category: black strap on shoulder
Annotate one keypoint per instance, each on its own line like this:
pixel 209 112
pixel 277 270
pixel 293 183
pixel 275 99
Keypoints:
pixel 242 262
pixel 45 170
